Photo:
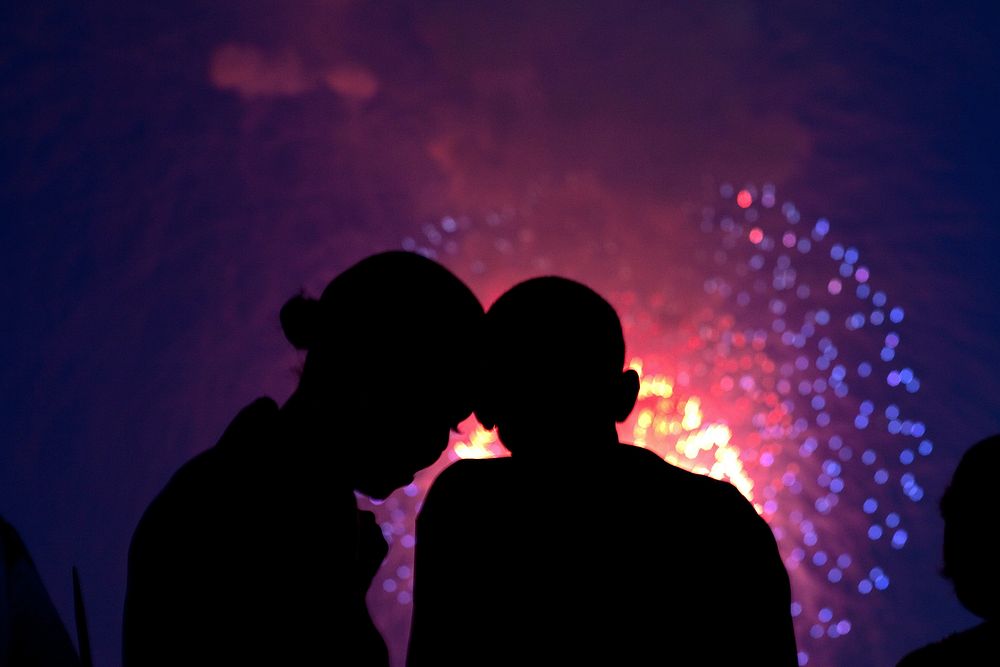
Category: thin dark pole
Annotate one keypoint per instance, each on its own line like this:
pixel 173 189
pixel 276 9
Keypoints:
pixel 82 634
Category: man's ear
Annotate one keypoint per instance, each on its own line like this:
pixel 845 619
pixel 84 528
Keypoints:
pixel 626 395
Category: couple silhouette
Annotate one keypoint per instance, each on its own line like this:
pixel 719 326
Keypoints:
pixel 576 549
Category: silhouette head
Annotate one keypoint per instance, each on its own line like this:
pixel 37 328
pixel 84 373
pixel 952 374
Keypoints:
pixel 970 507
pixel 388 348
pixel 552 368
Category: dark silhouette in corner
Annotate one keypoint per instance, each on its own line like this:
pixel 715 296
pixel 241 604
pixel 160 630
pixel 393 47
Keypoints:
pixel 256 552
pixel 578 549
pixel 970 507
pixel 31 632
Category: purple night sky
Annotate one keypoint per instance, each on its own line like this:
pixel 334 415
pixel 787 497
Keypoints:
pixel 171 176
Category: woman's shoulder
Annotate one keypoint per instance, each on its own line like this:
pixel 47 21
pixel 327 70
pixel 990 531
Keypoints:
pixel 204 479
pixel 251 423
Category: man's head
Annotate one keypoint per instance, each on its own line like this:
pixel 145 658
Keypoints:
pixel 970 507
pixel 552 367
pixel 389 347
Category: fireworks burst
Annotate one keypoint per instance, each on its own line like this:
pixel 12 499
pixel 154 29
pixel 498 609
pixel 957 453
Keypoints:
pixel 784 380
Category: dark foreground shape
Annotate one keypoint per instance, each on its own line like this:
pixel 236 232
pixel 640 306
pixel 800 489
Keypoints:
pixel 255 552
pixel 578 549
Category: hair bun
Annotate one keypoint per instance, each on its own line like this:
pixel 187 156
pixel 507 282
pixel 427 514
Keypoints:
pixel 300 321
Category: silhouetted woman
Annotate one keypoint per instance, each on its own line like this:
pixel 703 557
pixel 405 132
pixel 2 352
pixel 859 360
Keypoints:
pixel 255 552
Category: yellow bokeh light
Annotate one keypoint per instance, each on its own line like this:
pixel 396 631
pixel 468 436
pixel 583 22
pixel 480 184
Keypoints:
pixel 672 426
pixel 481 444
pixel 692 414
pixel 701 447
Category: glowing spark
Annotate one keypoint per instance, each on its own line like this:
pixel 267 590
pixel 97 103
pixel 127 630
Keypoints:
pixel 482 444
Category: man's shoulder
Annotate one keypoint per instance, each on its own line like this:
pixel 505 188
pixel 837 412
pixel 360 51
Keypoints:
pixel 475 476
pixel 655 483
pixel 634 466
pixel 648 465
pixel 470 487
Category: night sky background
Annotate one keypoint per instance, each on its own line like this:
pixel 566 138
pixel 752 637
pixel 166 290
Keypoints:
pixel 171 174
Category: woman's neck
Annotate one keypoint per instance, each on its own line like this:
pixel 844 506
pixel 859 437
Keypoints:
pixel 320 434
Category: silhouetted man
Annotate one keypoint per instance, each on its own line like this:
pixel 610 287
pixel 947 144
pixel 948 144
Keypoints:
pixel 970 508
pixel 255 552
pixel 577 549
